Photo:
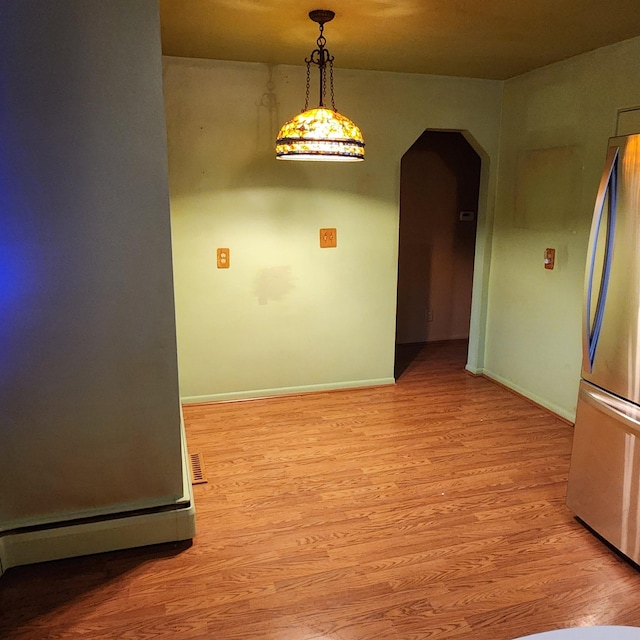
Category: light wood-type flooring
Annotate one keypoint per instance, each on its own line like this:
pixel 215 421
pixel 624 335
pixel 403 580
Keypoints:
pixel 429 509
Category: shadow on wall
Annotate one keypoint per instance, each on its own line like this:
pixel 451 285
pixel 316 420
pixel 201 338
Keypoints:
pixel 273 283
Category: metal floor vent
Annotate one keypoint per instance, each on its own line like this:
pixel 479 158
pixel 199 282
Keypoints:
pixel 198 475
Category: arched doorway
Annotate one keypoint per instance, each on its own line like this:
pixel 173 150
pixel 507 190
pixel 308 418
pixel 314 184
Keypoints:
pixel 439 188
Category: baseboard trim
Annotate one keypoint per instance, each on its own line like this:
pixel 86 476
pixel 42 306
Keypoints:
pixel 97 534
pixel 286 391
pixel 558 412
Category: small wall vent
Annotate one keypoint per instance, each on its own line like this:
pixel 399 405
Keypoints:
pixel 198 475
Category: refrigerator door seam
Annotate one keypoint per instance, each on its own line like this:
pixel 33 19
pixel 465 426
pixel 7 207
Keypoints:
pixel 608 184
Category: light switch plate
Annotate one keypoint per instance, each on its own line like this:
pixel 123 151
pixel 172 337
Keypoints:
pixel 328 238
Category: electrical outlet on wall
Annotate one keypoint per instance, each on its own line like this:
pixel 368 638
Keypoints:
pixel 223 258
pixel 549 258
pixel 429 315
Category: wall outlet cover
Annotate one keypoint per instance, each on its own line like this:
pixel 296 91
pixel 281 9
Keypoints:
pixel 223 258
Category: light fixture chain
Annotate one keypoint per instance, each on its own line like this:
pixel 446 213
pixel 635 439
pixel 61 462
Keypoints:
pixel 333 98
pixel 324 86
pixel 322 61
pixel 321 41
pixel 306 99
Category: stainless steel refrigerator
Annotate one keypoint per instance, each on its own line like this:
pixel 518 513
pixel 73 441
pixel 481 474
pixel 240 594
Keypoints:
pixel 604 476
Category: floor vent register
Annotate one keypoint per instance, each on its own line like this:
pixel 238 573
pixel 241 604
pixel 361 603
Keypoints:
pixel 198 475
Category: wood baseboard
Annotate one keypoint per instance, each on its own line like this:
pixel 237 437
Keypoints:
pixel 521 395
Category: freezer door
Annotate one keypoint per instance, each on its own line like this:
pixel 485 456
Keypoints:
pixel 604 476
pixel 611 338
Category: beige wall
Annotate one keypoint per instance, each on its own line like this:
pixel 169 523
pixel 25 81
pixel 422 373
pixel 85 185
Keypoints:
pixel 88 372
pixel 555 128
pixel 287 315
pixel 440 178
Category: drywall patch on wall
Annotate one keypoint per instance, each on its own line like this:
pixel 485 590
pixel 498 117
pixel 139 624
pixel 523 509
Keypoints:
pixel 628 121
pixel 547 188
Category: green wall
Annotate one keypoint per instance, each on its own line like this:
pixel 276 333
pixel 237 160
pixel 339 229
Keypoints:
pixel 288 316
pixel 556 122
pixel 88 371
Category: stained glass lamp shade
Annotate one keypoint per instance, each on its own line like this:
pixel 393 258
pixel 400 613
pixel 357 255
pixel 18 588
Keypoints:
pixel 320 134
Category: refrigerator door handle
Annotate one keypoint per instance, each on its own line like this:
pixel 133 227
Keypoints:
pixel 620 410
pixel 591 331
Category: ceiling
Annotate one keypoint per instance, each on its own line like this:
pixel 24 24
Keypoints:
pixel 495 39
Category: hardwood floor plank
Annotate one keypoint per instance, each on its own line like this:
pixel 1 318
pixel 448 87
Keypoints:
pixel 433 508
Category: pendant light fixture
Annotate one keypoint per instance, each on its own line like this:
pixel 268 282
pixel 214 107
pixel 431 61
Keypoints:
pixel 321 133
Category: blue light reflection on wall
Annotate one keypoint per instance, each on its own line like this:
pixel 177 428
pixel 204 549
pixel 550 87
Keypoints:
pixel 17 273
pixel 16 289
pixel 15 279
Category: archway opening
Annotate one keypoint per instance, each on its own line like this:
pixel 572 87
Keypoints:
pixel 439 189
